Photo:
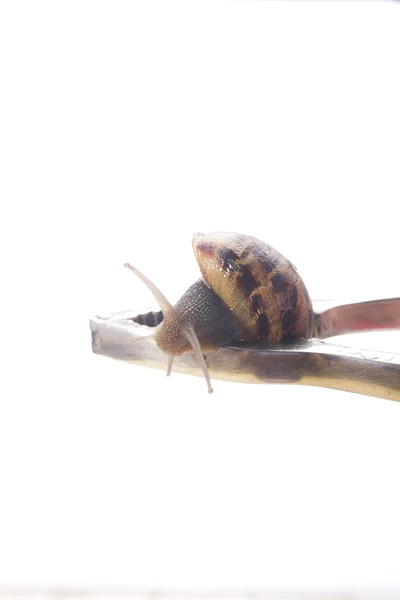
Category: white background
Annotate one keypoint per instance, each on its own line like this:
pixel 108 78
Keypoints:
pixel 126 127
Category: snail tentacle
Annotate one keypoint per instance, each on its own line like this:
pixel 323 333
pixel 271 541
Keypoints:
pixel 170 361
pixel 165 306
pixel 194 342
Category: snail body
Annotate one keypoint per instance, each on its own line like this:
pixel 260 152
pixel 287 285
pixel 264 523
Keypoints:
pixel 248 292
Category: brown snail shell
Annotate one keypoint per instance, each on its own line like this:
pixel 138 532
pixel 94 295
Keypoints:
pixel 249 292
pixel 261 287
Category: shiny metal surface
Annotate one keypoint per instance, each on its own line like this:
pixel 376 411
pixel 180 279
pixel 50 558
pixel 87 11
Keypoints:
pixel 341 318
pixel 313 362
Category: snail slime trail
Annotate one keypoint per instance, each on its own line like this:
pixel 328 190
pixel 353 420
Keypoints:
pixel 248 292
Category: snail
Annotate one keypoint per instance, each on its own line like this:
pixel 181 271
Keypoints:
pixel 248 292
